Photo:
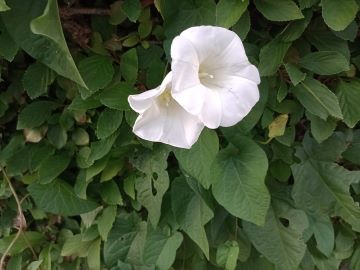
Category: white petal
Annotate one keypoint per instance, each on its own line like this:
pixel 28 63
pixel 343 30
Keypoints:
pixel 218 50
pixel 211 112
pixel 168 124
pixel 141 102
pixel 211 41
pixel 181 128
pixel 238 96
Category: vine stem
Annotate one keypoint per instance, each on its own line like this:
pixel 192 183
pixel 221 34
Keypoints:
pixel 20 223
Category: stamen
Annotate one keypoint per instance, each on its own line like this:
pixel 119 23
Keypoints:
pixel 205 74
pixel 166 97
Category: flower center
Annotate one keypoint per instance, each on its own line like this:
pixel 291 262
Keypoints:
pixel 203 75
pixel 165 97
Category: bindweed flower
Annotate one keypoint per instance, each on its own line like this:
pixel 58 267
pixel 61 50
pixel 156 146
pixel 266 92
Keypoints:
pixel 162 119
pixel 212 77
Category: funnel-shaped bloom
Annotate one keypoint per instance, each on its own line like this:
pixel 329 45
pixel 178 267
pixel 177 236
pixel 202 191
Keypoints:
pixel 212 77
pixel 162 119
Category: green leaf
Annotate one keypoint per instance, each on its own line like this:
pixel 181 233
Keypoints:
pixel 227 255
pixel 110 193
pixel 180 15
pixel 57 136
pixel 321 129
pixel 45 41
pixel 132 9
pixel 8 47
pixel 160 248
pixel 314 177
pixel 97 72
pixel 25 238
pixel 295 74
pixel 58 197
pixel 242 26
pixel 99 149
pixel 35 114
pixel 197 160
pixel 152 187
pixel 120 238
pixel 348 93
pixel 317 99
pixel 349 33
pixel 271 56
pixel 93 256
pixel 280 10
pixel 106 221
pixel 117 15
pixel 280 244
pixel 353 150
pixel 115 97
pixel 322 228
pixel 37 79
pixel 52 167
pixel 3 6
pixel 228 12
pixel 324 62
pixel 75 246
pixel 239 174
pixel 324 40
pixel 129 65
pixel 339 15
pixel 191 211
pixel 109 121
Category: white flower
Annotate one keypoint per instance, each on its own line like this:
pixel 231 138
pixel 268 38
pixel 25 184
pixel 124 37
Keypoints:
pixel 162 119
pixel 212 77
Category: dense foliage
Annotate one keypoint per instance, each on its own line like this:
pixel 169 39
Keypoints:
pixel 280 190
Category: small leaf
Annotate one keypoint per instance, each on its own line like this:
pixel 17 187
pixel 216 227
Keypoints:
pixel 348 93
pixel 228 12
pixel 35 114
pixel 3 6
pixel 25 238
pixel 37 79
pixel 321 129
pixel 57 136
pixel 129 65
pixel 58 197
pixel 295 74
pixel 317 99
pixel 338 16
pixel 109 121
pixel 132 8
pixel 106 221
pixel 97 72
pixel 115 97
pixel 325 62
pixel 52 167
pixel 278 125
pixel 75 246
pixel 279 10
pixel 227 254
pixel 8 47
pixel 271 56
pixel 110 193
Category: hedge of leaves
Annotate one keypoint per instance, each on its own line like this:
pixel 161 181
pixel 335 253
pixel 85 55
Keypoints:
pixel 280 190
